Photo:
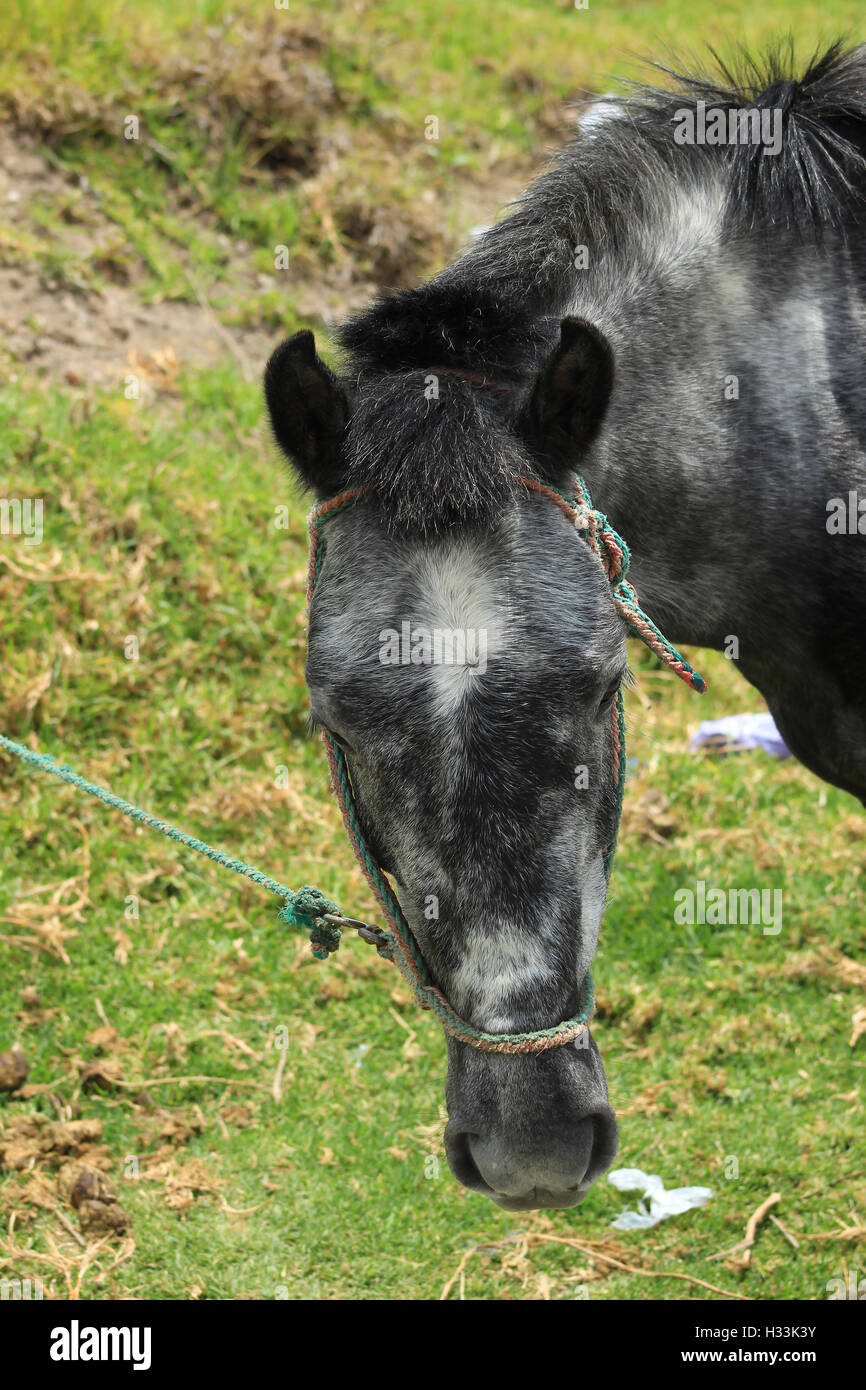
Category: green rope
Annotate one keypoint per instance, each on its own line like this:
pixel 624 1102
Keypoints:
pixel 303 908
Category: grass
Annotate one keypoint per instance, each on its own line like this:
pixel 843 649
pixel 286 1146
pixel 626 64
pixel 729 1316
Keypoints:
pixel 122 957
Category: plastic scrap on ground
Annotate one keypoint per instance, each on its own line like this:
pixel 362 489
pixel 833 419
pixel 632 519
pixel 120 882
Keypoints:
pixel 738 732
pixel 655 1204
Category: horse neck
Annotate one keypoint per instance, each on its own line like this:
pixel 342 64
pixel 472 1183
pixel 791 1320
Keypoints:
pixel 726 433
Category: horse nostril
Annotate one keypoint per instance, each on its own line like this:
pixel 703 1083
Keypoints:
pixel 458 1147
pixel 604 1146
pixel 555 1170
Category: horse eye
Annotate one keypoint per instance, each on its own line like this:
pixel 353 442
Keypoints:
pixel 340 742
pixel 316 725
pixel 609 695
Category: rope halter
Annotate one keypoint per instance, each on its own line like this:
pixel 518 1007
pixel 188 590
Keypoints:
pixel 396 942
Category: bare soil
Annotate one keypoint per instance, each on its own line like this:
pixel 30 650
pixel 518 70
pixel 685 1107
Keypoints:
pixel 55 325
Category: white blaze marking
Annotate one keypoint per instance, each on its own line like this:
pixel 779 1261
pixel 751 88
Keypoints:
pixel 502 960
pixel 458 593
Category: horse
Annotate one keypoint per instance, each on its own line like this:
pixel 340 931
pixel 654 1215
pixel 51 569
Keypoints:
pixel 681 321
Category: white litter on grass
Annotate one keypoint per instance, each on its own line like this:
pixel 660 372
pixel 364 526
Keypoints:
pixel 661 1203
pixel 740 731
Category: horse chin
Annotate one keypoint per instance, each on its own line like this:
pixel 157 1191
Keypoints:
pixel 536 1199
pixel 539 1200
pixel 518 1188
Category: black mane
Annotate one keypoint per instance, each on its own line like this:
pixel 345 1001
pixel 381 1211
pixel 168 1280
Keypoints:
pixel 817 179
pixel 596 190
pixel 496 310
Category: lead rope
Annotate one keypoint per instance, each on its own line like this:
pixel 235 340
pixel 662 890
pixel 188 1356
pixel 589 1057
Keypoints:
pixel 401 946
pixel 306 907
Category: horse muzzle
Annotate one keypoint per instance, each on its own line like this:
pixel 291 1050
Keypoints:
pixel 529 1131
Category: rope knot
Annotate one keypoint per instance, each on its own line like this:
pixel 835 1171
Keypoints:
pixel 306 909
pixel 593 527
pixel 616 558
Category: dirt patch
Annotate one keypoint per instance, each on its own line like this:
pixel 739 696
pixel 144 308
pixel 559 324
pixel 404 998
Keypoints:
pixel 71 302
pixel 71 305
pixel 53 322
pixel 121 261
pixel 100 337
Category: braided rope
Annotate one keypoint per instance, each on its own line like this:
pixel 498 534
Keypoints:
pixel 596 530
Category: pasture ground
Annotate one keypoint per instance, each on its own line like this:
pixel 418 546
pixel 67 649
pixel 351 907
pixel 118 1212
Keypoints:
pixel 150 991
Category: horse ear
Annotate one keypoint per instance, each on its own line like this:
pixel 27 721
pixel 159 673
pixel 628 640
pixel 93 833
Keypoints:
pixel 571 394
pixel 308 410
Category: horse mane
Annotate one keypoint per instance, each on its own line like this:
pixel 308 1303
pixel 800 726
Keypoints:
pixel 818 178
pixel 495 311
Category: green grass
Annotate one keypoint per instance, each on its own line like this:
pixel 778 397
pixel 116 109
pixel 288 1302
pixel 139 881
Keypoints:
pixel 725 1049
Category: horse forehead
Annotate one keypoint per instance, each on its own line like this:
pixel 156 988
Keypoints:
pixel 452 607
pixel 514 579
pixel 460 585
